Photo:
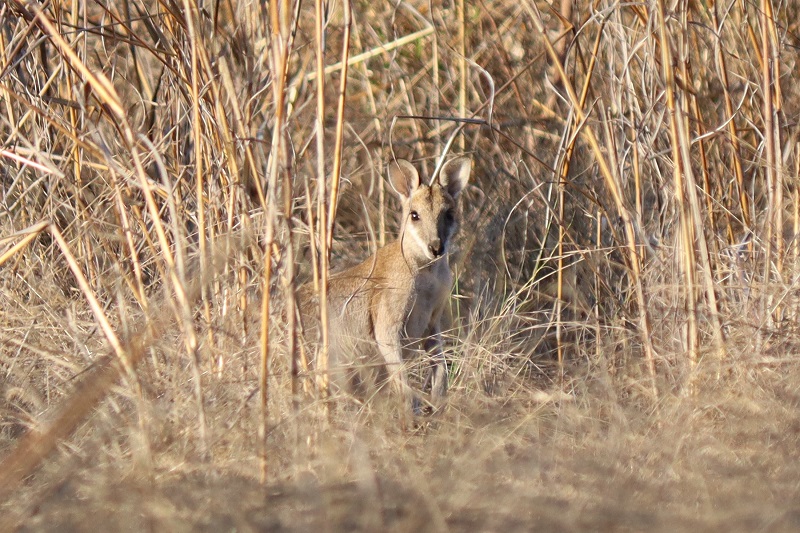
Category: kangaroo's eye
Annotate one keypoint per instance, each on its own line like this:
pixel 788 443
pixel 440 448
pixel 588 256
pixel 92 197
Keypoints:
pixel 414 216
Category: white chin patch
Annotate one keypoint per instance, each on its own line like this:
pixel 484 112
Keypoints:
pixel 419 242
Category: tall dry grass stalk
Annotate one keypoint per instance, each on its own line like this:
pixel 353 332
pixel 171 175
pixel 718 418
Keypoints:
pixel 171 171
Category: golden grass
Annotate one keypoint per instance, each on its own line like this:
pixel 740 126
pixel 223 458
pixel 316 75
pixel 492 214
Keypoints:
pixel 623 337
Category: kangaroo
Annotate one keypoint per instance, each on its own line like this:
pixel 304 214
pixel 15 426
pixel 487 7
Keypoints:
pixel 381 310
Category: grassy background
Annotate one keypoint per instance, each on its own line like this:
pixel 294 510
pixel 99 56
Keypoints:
pixel 623 333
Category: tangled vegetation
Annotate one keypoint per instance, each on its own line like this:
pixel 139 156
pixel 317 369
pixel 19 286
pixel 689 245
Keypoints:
pixel 623 329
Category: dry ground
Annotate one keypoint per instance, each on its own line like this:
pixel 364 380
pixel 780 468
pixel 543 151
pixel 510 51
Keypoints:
pixel 725 460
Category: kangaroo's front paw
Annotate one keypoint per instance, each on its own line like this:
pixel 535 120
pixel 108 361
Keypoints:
pixel 423 407
pixel 418 407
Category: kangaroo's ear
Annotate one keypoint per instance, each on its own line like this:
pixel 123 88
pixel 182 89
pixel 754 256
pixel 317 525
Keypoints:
pixel 455 175
pixel 403 177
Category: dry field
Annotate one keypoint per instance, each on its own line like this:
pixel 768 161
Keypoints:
pixel 622 341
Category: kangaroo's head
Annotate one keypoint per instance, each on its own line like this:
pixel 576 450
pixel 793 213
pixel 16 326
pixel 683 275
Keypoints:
pixel 430 212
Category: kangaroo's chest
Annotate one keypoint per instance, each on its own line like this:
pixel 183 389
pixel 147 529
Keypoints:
pixel 430 291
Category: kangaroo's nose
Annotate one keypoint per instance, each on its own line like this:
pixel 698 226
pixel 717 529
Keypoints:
pixel 436 247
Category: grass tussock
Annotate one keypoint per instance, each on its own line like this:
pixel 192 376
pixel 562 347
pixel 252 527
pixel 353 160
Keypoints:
pixel 622 339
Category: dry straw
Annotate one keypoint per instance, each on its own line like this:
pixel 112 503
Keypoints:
pixel 172 171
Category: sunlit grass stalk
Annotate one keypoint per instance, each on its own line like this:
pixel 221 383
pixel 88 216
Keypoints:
pixel 699 227
pixel 680 174
pixel 339 134
pixel 322 199
pixel 705 251
pixel 297 355
pixel 85 251
pixel 329 201
pixel 435 104
pixel 598 284
pixel 770 43
pixel 27 235
pixel 216 141
pixel 462 68
pixel 264 348
pixel 795 250
pixel 232 204
pixel 197 136
pixel 229 149
pixel 771 173
pixel 560 266
pixel 735 150
pixel 636 168
pixel 279 27
pixel 289 294
pixel 103 88
pixel 562 184
pixel 6 56
pixel 697 116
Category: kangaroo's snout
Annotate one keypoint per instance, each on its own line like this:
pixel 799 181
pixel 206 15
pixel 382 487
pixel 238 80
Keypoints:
pixel 436 248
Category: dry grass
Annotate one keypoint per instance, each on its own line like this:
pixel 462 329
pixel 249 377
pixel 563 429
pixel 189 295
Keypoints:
pixel 623 338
